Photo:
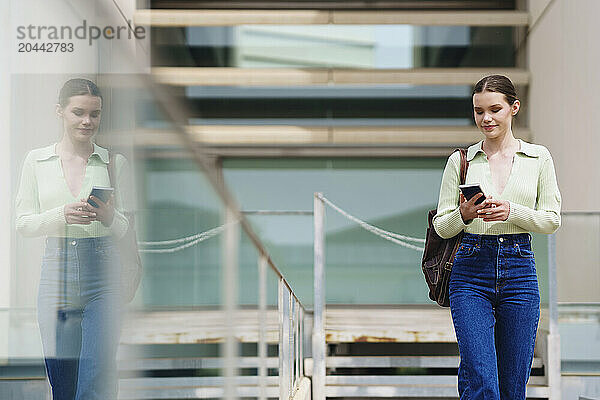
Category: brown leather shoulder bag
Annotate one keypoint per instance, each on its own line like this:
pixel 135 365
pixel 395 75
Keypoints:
pixel 438 256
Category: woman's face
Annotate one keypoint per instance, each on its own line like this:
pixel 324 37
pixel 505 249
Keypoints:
pixel 81 117
pixel 493 115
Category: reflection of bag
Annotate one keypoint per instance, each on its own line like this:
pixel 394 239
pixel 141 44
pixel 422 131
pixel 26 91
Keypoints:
pixel 438 256
pixel 131 263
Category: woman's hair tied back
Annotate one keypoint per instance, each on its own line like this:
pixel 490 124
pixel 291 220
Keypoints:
pixel 77 87
pixel 499 84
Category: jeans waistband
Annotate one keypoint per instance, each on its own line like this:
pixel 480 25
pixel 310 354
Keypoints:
pixel 71 242
pixel 519 238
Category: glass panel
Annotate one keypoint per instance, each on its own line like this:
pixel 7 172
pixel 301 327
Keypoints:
pixel 249 277
pixel 334 46
pixel 288 238
pixel 376 191
pixel 179 202
pixel 178 326
pixel 578 273
pixel 390 105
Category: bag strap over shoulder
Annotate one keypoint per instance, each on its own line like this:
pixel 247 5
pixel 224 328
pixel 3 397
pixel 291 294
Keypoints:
pixel 464 165
pixel 111 168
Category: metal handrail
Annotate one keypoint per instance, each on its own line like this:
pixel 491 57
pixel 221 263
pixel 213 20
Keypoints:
pixel 234 213
pixel 172 108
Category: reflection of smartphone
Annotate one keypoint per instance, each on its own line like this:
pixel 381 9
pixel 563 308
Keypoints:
pixel 471 190
pixel 103 193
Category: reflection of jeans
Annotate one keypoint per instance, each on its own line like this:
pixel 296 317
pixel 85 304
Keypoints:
pixel 495 302
pixel 78 314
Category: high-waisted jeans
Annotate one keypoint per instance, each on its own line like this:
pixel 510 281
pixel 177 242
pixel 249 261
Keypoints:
pixel 495 305
pixel 78 315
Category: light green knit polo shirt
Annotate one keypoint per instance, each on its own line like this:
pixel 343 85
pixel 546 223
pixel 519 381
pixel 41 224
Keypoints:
pixel 531 189
pixel 43 193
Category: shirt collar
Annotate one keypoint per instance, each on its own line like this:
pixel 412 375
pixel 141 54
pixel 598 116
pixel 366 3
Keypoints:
pixel 526 148
pixel 102 153
pixel 50 151
pixel 46 153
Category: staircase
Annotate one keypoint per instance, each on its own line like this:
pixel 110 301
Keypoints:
pixel 401 352
pixel 178 355
pixel 405 352
pixel 192 378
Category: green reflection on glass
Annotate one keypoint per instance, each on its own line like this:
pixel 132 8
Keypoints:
pixel 393 194
pixel 180 202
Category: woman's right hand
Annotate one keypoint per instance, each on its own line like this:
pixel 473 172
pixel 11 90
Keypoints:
pixel 79 213
pixel 468 209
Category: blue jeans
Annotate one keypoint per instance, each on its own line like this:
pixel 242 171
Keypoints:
pixel 495 305
pixel 78 315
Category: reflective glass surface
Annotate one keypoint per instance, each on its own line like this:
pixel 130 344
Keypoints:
pixel 334 46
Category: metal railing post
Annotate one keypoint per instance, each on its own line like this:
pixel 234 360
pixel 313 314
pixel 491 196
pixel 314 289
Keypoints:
pixel 553 341
pixel 296 344
pixel 284 343
pixel 552 286
pixel 262 327
pixel 230 293
pixel 301 341
pixel 318 336
pixel 292 345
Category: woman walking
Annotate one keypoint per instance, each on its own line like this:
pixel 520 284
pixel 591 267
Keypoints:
pixel 494 296
pixel 78 299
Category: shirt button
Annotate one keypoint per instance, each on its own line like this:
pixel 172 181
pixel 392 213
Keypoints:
pixel 501 240
pixel 74 242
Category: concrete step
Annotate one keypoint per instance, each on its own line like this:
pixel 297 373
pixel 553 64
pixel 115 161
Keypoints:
pixel 426 391
pixel 148 364
pixel 416 380
pixel 394 362
pixel 193 387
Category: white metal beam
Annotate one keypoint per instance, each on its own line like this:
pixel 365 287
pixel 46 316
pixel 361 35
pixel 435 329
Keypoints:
pixel 228 76
pixel 319 346
pixel 179 18
pixel 240 135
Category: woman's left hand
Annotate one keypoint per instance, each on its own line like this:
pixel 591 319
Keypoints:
pixel 495 210
pixel 105 212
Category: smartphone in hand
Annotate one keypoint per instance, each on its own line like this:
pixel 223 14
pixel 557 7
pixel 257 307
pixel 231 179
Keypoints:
pixel 471 190
pixel 103 193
